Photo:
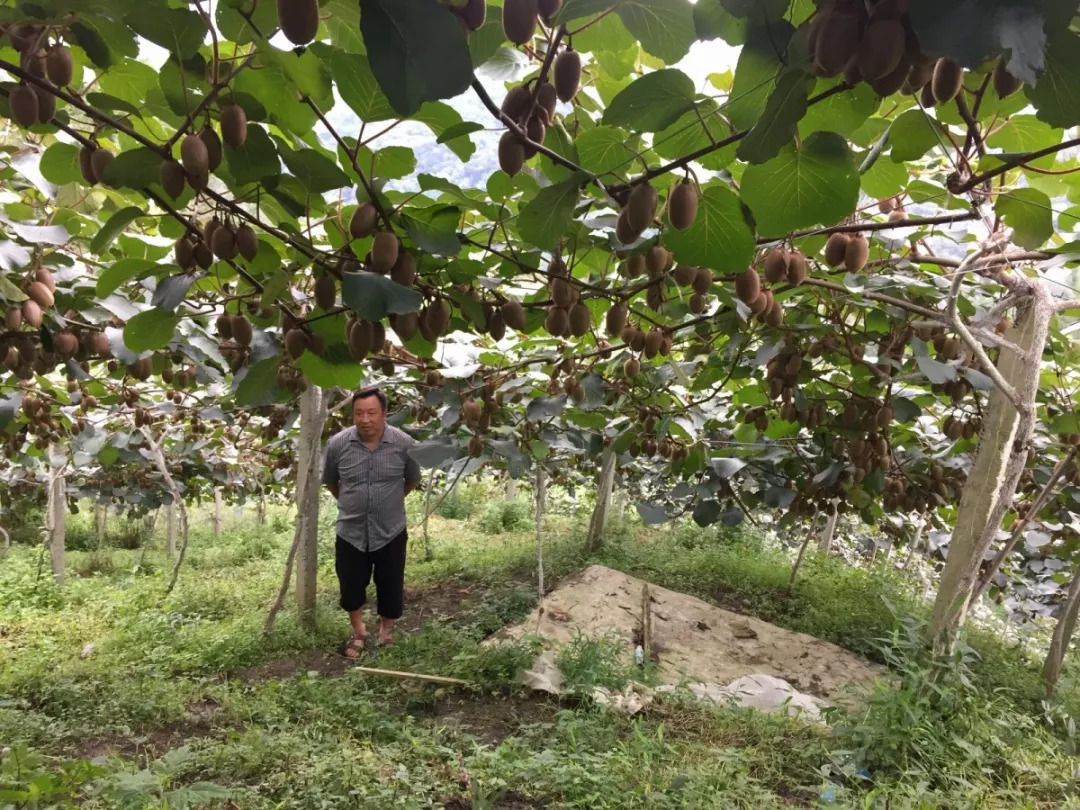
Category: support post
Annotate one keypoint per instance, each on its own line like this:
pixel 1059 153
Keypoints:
pixel 217 513
pixel 312 419
pixel 595 537
pixel 1063 633
pixel 170 538
pixel 56 512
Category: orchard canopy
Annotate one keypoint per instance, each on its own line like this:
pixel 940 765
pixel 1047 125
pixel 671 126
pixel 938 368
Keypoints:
pixel 833 274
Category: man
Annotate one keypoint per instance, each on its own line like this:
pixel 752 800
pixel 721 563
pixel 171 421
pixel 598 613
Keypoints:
pixel 369 471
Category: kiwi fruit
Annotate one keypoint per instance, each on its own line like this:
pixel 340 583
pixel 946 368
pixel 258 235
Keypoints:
pixel 535 131
pixel 837 40
pixel 1005 84
pixel 184 253
pixel 776 265
pixel 295 342
pixel 208 231
pixel 13 318
pixel 43 275
pixel 364 219
pixel 519 20
pixel 233 125
pixel 918 77
pixel 747 285
pixel 171 177
pixel 567 74
pixel 224 326
pixel 641 207
pixel 406 325
pixel 40 294
pixel 836 249
pixel 947 80
pixel 703 281
pixel 85 166
pixel 796 271
pixel 384 251
pixel 652 343
pixel 760 304
pixel 242 330
pixel 65 344
pixel 11 358
pixel 685 274
pixel 562 294
pixel 623 232
pixel 683 205
pixel 204 257
pixel 247 243
pixel 891 82
pixel 23 102
pixel 298 20
pixel 881 48
pixel 361 339
pixel 214 150
pixel 496 326
pixel 579 319
pixel 656 260
pixel 615 319
pixel 884 417
pixel 24 36
pixel 517 102
pixel 547 97
pixel 511 153
pixel 194 155
pixel 637 340
pixel 99 161
pixel 513 314
pixel 223 243
pixel 404 269
pixel 557 321
pixel 856 253
pixel 325 291
pixel 774 315
pixel 697 303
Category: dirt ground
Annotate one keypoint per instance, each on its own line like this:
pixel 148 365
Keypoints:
pixel 692 639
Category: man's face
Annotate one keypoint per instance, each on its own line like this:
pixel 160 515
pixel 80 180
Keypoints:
pixel 369 417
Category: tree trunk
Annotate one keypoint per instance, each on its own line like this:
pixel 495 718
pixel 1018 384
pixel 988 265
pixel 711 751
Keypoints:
pixel 56 512
pixel 511 488
pixel 260 509
pixel 217 513
pixel 309 446
pixel 595 538
pixel 100 522
pixel 802 552
pixel 913 544
pixel 541 490
pixel 826 538
pixel 429 553
pixel 999 462
pixel 1063 633
pixel 170 537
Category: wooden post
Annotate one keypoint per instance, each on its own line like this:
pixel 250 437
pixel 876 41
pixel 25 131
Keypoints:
pixel 541 488
pixel 56 512
pixel 429 553
pixel 170 538
pixel 826 539
pixel 260 509
pixel 100 522
pixel 1063 633
pixel 606 480
pixel 217 513
pixel 309 446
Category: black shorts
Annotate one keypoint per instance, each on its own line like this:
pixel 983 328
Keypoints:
pixel 355 569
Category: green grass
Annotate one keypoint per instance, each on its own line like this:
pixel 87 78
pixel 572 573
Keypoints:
pixel 277 724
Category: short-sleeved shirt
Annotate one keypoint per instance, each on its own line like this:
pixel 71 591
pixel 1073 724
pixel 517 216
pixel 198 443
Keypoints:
pixel 371 485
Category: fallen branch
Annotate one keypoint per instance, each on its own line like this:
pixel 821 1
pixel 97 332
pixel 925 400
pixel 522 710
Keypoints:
pixel 392 673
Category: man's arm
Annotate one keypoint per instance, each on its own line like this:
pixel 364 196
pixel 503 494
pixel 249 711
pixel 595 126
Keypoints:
pixel 330 475
pixel 333 490
pixel 413 475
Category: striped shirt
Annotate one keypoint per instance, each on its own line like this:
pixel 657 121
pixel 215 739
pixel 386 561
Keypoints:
pixel 371 485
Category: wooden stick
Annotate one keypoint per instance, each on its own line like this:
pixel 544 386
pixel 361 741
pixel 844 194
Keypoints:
pixel 646 621
pixel 390 673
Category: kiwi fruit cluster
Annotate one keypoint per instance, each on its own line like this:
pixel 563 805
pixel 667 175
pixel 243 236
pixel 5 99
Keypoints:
pixel 850 250
pixel 93 160
pixel 637 213
pixel 533 119
pixel 567 313
pixel 759 300
pixel 51 65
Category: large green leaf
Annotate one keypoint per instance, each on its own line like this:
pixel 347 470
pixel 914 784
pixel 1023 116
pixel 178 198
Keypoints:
pixel 60 164
pixel 133 168
pixel 358 87
pixel 179 31
pixel 417 49
pixel 150 330
pixel 1056 95
pixel 720 237
pixel 118 272
pixel 441 118
pixel 114 227
pixel 372 296
pixel 912 135
pixel 316 172
pixel 255 160
pixel 434 229
pixel 1026 133
pixel 776 127
pixel 712 20
pixel 257 381
pixel 651 102
pixel 665 28
pixel 603 149
pixel 696 130
pixel 233 25
pixel 816 183
pixel 327 374
pixel 545 218
pixel 1029 213
pixel 759 66
pixel 841 112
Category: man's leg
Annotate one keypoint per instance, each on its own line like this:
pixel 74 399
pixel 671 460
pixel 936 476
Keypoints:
pixel 353 569
pixel 390 584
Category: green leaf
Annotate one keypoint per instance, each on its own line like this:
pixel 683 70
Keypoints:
pixel 1026 133
pixel 394 162
pixel 904 410
pixel 603 149
pixel 255 160
pixel 257 381
pixel 235 28
pixel 1056 95
pixel 130 81
pixel 358 87
pixel 440 118
pixel 1029 213
pixel 651 102
pixel 133 168
pixel 60 164
pixel 546 217
pixel 150 330
pixel 842 112
pixel 114 227
pixel 576 9
pixel 758 67
pixel 816 183
pixel 712 21
pixel 459 130
pixel 417 50
pixel 689 135
pixel 485 42
pixel 434 229
pixel 316 172
pixel 777 125
pixel 665 28
pixel 912 135
pixel 720 237
pixel 326 374
pixel 179 31
pixel 119 272
pixel 885 178
pixel 372 296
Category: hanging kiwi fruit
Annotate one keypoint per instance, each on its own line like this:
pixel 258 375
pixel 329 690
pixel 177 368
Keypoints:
pixel 567 74
pixel 233 125
pixel 519 20
pixel 683 205
pixel 298 20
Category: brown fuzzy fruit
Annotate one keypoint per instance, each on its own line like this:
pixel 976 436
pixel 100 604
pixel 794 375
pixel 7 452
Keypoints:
pixel 747 285
pixel 496 326
pixel 13 318
pixel 404 270
pixel 241 330
pixel 184 253
pixel 86 167
pixel 567 74
pixel 361 339
pixel 407 325
pixel 194 156
pixel 514 315
pixel 364 219
pixel 657 260
pixel 31 313
pixel 891 82
pixel 697 303
pixel 624 234
pixel 881 48
pixel 947 81
pixel 472 14
pixel 214 152
pixel 224 326
pixel 519 20
pixel 774 315
pixel 856 253
pixel 837 40
pixel 65 344
pixel 776 265
pixel 295 342
pixel 703 281
pixel 325 292
pixel 40 294
pixel 1005 84
pixel 384 251
pixel 836 249
pixel 685 274
pixel 23 102
pixel 631 367
pixel 562 293
pixel 516 102
pixel 60 66
pixel 299 20
pixel 683 205
pixel 548 8
pixel 557 321
pixel 511 153
pixel 637 340
pixel 615 319
pixel 547 97
pixel 918 76
pixel 579 319
pixel 641 208
pixel 247 243
pixel 223 243
pixel 24 36
pixel 652 343
pixel 171 176
pixel 43 275
pixel 233 125
pixel 204 257
pixel 761 303
pixel 796 271
pixel 11 358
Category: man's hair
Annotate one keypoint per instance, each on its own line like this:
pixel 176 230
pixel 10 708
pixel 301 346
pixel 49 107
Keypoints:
pixel 373 391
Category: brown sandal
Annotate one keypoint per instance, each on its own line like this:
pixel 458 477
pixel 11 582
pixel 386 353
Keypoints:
pixel 386 642
pixel 353 647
